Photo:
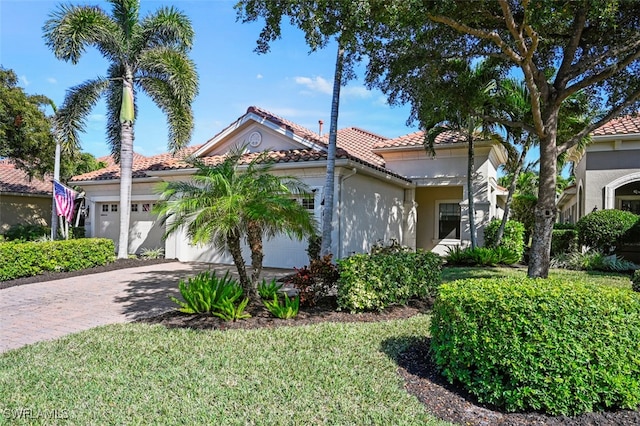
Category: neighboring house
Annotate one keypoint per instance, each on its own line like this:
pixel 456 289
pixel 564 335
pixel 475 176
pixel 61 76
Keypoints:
pixel 23 200
pixel 607 172
pixel 384 189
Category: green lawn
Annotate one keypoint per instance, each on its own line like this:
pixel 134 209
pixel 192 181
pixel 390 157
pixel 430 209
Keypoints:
pixel 141 374
pixel 595 277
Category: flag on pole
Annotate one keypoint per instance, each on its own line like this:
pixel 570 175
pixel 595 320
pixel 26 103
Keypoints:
pixel 65 198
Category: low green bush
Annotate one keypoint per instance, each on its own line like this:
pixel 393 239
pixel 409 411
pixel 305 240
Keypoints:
pixel 285 309
pixel 27 232
pixel 603 230
pixel 204 291
pixel 24 259
pixel 592 260
pixel 563 241
pixel 545 345
pixel 373 282
pixel 512 238
pixel 315 281
pixel 635 281
pixel 481 256
pixel 267 290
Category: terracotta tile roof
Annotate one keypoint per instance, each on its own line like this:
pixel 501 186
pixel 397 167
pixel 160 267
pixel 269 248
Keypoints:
pixel 359 143
pixel 417 139
pixel 353 143
pixel 140 165
pixel 619 126
pixel 109 161
pixel 17 181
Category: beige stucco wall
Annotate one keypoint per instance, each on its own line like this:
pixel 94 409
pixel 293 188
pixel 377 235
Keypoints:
pixel 427 227
pixel 370 210
pixel 15 209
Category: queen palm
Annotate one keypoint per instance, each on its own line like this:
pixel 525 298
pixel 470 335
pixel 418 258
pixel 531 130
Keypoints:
pixel 148 54
pixel 230 202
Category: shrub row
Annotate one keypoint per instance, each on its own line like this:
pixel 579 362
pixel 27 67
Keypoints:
pixel 512 237
pixel 603 230
pixel 23 259
pixel 563 241
pixel 635 281
pixel 481 256
pixel 373 282
pixel 524 344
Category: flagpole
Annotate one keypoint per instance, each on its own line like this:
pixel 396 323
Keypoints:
pixel 56 177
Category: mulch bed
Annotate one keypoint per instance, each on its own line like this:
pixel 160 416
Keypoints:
pixel 445 401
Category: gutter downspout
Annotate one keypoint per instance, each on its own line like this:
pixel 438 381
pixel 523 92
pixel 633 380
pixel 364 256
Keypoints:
pixel 341 182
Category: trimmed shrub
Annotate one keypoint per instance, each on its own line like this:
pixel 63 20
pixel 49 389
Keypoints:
pixel 604 229
pixel 481 256
pixel 23 259
pixel 549 345
pixel 316 281
pixel 635 281
pixel 512 238
pixel 563 241
pixel 522 208
pixel 373 282
pixel 27 232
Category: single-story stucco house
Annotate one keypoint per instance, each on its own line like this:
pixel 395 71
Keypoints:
pixel 607 172
pixel 23 200
pixel 384 189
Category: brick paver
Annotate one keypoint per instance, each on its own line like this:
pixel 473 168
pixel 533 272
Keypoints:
pixel 43 311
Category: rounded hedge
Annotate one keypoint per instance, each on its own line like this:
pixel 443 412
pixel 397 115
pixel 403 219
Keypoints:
pixel 512 237
pixel 604 229
pixel 374 281
pixel 545 345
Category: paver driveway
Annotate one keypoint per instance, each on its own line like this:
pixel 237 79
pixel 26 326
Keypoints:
pixel 42 311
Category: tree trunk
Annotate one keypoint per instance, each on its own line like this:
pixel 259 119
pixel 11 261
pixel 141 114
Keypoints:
pixel 327 211
pixel 512 190
pixel 126 167
pixel 470 195
pixel 254 238
pixel 233 244
pixel 545 210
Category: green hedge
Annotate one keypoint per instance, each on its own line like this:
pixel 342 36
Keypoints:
pixel 373 282
pixel 512 238
pixel 563 241
pixel 548 345
pixel 603 230
pixel 635 281
pixel 23 259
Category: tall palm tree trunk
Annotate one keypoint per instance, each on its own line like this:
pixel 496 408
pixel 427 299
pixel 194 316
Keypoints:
pixel 510 192
pixel 126 163
pixel 470 195
pixel 327 211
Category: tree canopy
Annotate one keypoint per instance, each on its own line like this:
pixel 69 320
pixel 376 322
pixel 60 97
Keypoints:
pixel 25 129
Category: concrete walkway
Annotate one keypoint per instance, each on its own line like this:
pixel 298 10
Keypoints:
pixel 42 311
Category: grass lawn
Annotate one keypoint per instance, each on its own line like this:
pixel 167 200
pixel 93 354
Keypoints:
pixel 139 374
pixel 594 277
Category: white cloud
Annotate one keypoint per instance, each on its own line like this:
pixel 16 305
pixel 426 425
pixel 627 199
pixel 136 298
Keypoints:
pixel 381 101
pixel 23 80
pixel 97 118
pixel 259 76
pixel 52 80
pixel 315 84
pixel 356 92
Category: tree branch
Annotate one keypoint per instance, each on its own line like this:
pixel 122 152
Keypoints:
pixel 570 50
pixel 509 123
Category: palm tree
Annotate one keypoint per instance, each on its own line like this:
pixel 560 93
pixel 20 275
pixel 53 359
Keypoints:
pixel 230 202
pixel 148 54
pixel 458 104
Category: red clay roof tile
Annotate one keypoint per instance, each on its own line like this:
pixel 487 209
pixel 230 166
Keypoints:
pixel 417 139
pixel 17 181
pixel 625 125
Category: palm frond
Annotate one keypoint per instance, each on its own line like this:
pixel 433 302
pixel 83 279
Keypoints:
pixel 166 27
pixel 79 100
pixel 71 29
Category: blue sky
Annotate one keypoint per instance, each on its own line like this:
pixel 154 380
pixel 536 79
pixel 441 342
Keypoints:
pixel 288 81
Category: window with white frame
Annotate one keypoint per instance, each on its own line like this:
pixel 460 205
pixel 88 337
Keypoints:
pixel 449 221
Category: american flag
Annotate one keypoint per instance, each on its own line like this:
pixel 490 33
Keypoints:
pixel 64 197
